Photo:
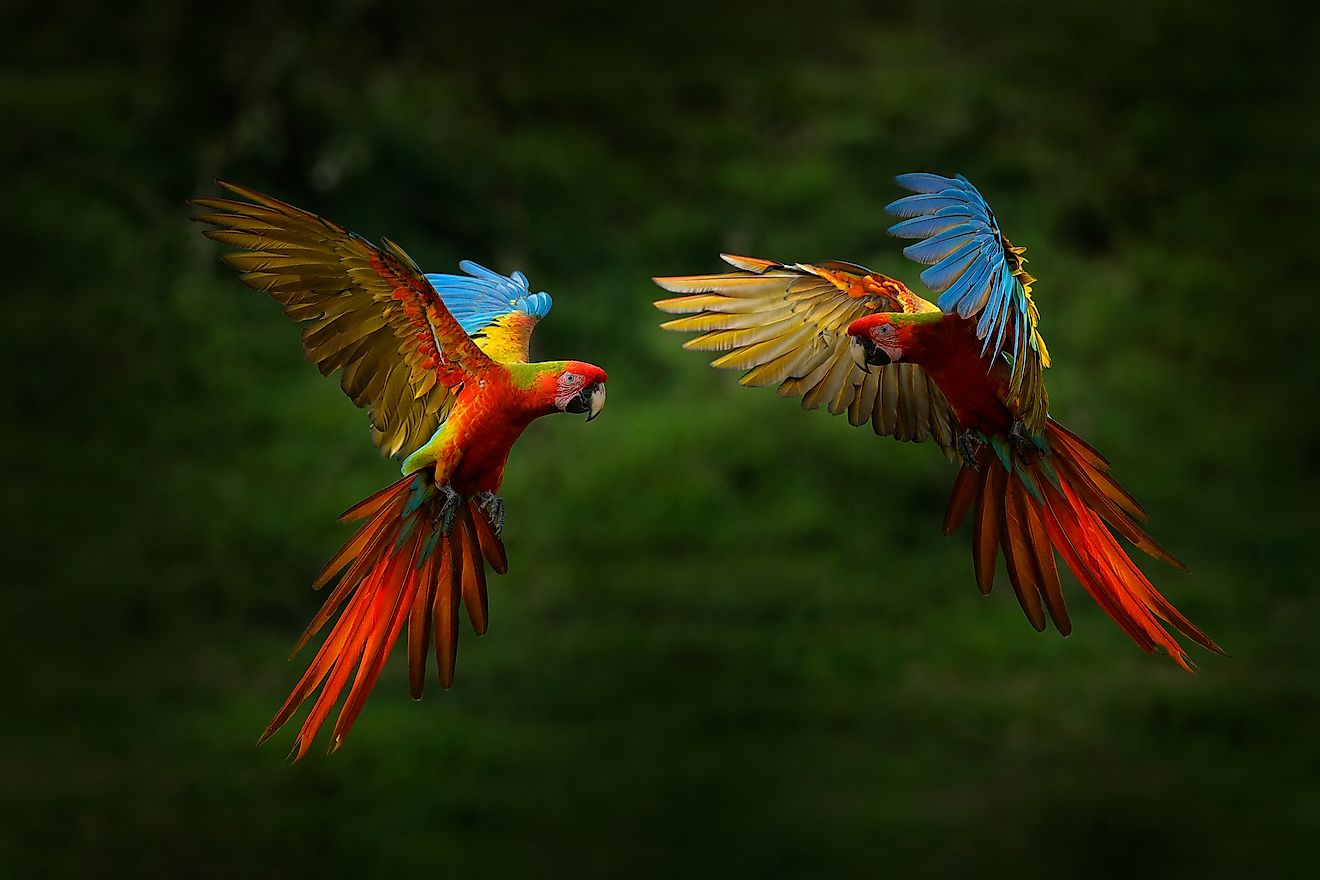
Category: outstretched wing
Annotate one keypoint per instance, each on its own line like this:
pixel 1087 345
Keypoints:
pixel 980 275
pixel 787 325
pixel 367 311
pixel 498 311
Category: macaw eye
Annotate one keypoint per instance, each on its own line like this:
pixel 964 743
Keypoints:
pixel 885 329
pixel 572 378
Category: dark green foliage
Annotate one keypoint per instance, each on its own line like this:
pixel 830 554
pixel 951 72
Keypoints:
pixel 733 642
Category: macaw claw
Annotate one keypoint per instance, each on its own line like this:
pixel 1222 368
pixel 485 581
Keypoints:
pixel 1025 446
pixel 449 508
pixel 493 505
pixel 969 447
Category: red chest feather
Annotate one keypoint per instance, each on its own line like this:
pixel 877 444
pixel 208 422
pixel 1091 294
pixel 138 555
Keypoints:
pixel 487 425
pixel 951 354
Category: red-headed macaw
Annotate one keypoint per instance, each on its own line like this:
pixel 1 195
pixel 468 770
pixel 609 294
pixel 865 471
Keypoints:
pixel 966 372
pixel 441 363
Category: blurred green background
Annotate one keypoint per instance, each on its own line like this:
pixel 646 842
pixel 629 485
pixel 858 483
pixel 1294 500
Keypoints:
pixel 733 641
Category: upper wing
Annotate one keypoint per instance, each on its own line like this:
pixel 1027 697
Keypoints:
pixel 977 272
pixel 498 311
pixel 788 325
pixel 368 311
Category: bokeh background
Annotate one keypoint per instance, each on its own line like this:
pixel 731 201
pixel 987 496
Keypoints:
pixel 733 641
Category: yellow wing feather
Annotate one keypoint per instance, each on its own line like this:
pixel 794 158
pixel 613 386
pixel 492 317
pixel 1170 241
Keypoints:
pixel 367 311
pixel 786 325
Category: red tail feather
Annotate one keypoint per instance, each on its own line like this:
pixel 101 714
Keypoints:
pixel 1075 505
pixel 399 572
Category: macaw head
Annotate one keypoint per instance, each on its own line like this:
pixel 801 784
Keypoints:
pixel 580 388
pixel 884 337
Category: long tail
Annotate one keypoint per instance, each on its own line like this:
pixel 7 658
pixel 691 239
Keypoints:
pixel 1061 500
pixel 402 570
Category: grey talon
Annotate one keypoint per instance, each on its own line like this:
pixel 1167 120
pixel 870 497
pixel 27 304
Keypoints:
pixel 449 508
pixel 969 447
pixel 493 505
pixel 1017 434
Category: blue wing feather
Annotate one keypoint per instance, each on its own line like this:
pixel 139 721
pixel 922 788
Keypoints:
pixel 966 291
pixel 925 182
pixel 937 247
pixel 926 203
pixel 960 235
pixel 923 227
pixel 948 270
pixel 978 275
pixel 481 297
pixel 1008 293
pixel 986 325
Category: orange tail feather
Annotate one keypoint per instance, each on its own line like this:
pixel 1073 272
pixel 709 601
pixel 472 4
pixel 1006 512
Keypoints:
pixel 399 572
pixel 1066 502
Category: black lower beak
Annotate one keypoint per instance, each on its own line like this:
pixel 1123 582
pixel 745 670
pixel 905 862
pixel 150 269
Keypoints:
pixel 874 354
pixel 580 403
pixel 590 400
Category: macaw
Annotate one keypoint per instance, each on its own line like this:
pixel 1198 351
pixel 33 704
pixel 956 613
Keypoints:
pixel 441 364
pixel 965 371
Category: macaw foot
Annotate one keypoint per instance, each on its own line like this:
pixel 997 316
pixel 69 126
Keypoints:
pixel 494 507
pixel 448 508
pixel 969 447
pixel 1025 446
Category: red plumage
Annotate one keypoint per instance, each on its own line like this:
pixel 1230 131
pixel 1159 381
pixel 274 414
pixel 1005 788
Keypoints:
pixel 452 403
pixel 1033 497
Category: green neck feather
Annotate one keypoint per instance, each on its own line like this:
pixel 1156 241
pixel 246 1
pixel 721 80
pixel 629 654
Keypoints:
pixel 917 318
pixel 524 376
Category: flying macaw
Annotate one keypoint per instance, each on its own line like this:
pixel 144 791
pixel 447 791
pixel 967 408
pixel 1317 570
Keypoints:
pixel 441 364
pixel 965 371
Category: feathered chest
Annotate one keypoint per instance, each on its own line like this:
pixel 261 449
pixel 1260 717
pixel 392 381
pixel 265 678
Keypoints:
pixel 975 386
pixel 489 418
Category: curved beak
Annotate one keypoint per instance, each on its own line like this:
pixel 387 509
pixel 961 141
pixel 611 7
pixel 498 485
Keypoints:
pixel 857 354
pixel 590 400
pixel 596 402
pixel 874 354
